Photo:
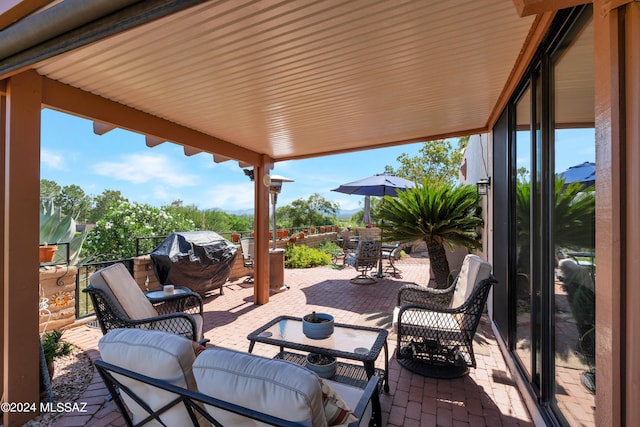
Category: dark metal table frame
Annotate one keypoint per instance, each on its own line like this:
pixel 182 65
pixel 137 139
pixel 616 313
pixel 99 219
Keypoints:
pixel 345 372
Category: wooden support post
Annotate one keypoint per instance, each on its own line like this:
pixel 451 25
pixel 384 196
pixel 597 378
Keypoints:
pixel 261 228
pixel 21 185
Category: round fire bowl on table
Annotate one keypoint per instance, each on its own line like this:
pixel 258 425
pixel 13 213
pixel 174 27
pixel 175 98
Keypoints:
pixel 317 326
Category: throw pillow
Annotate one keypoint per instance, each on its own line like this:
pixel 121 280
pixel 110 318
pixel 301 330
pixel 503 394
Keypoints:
pixel 335 409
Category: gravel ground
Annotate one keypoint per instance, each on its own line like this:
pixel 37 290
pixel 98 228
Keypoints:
pixel 72 375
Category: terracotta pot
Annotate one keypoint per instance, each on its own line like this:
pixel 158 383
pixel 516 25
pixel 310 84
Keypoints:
pixel 312 230
pixel 235 237
pixel 322 228
pixel 293 239
pixel 285 232
pixel 47 253
pixel 280 234
pixel 301 235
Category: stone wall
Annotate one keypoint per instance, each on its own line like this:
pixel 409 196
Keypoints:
pixel 57 304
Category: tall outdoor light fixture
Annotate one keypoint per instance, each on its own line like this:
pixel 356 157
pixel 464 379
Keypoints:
pixel 275 186
pixel 276 256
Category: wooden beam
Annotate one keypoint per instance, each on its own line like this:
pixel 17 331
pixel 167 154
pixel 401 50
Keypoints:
pixel 261 228
pixel 102 128
pixel 220 159
pixel 426 138
pixel 190 151
pixel 631 336
pixel 538 7
pixel 61 97
pixel 21 182
pixel 152 141
pixel 610 232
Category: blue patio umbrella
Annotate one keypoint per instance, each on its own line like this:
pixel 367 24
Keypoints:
pixel 584 173
pixel 382 184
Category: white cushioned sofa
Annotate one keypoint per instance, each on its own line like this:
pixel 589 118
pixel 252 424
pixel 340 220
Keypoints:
pixel 156 376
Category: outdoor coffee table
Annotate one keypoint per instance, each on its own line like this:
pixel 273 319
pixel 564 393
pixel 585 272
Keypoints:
pixel 359 343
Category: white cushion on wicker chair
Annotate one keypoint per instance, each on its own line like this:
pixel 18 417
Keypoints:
pixel 271 386
pixel 157 354
pixel 474 269
pixel 117 283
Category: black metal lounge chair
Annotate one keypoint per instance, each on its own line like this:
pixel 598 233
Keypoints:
pixel 120 303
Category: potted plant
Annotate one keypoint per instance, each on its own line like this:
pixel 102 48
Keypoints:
pixel 324 366
pixel 47 252
pixel 59 228
pixel 317 326
pixel 53 348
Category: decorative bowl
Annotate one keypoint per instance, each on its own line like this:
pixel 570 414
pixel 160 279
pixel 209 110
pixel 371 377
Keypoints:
pixel 317 326
pixel 323 366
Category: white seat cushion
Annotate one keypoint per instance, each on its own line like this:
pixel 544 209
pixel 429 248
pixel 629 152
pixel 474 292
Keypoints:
pixel 272 386
pixel 117 282
pixel 157 354
pixel 437 320
pixel 473 270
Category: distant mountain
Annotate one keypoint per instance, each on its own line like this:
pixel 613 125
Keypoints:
pixel 347 213
pixel 342 213
pixel 241 212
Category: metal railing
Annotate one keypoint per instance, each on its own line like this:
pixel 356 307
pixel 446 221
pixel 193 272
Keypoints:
pixel 84 307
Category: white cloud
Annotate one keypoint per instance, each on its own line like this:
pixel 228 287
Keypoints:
pixel 52 159
pixel 227 197
pixel 144 168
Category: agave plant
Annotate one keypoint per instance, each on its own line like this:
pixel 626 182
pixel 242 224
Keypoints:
pixel 439 214
pixel 58 228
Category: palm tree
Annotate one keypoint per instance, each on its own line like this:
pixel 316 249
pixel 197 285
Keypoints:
pixel 437 213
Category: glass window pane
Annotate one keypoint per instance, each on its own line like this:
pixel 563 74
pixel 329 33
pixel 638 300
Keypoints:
pixel 574 229
pixel 523 223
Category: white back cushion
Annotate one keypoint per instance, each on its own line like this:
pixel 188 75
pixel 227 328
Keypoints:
pixel 157 354
pixel 272 386
pixel 473 270
pixel 116 281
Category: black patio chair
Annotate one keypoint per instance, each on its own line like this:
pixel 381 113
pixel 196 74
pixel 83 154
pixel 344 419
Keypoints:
pixel 364 260
pixel 120 303
pixel 436 341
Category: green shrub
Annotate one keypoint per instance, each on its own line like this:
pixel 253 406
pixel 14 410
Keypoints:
pixel 330 248
pixel 303 256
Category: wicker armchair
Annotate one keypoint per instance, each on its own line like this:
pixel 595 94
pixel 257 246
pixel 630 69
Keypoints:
pixel 472 271
pixel 364 260
pixel 436 341
pixel 120 303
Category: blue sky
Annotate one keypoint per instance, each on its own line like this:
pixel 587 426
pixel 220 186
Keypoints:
pixel 119 160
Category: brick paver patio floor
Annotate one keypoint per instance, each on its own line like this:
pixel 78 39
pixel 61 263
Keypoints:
pixel 486 397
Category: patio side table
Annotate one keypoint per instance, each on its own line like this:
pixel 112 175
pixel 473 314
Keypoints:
pixel 352 342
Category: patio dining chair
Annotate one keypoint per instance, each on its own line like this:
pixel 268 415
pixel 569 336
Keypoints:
pixel 391 253
pixel 364 259
pixel 120 303
pixel 247 245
